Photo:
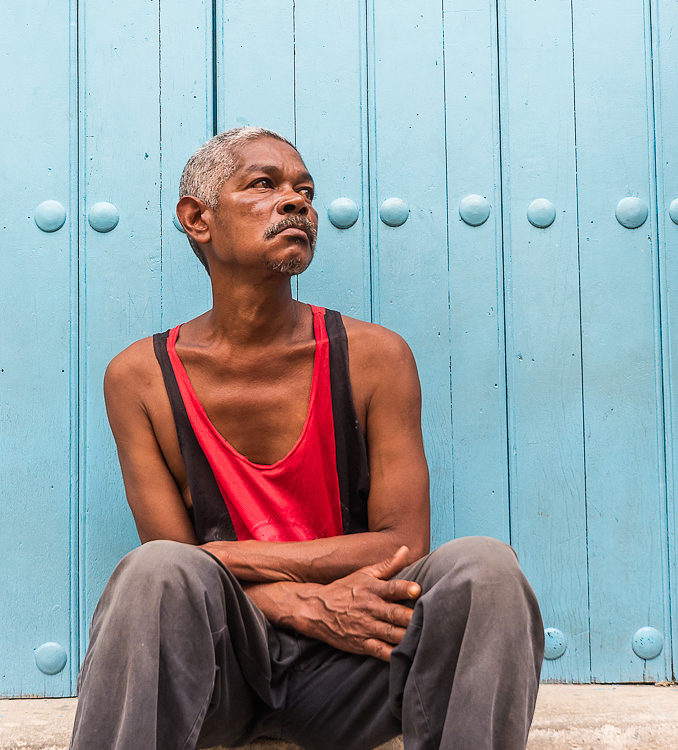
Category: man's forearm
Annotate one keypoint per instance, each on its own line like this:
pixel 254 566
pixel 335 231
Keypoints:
pixel 317 561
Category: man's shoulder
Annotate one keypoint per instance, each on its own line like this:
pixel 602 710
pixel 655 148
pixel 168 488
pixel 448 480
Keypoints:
pixel 372 342
pixel 133 370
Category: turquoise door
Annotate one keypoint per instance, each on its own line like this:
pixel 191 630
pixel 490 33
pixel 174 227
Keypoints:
pixel 497 181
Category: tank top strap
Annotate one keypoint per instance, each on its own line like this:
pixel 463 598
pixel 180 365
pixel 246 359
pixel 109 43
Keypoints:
pixel 209 515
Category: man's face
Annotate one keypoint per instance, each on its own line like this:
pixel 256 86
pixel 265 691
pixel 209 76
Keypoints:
pixel 264 215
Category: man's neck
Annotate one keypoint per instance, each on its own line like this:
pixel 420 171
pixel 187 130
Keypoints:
pixel 251 312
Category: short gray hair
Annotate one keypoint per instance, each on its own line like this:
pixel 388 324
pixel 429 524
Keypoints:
pixel 213 163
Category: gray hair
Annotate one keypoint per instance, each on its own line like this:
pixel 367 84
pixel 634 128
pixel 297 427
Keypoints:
pixel 213 163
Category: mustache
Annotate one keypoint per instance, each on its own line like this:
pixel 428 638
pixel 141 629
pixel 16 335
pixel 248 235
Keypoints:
pixel 296 222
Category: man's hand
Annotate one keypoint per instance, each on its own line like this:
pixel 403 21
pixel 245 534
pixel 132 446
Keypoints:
pixel 359 613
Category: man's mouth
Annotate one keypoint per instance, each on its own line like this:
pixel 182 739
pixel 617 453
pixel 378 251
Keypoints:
pixel 296 232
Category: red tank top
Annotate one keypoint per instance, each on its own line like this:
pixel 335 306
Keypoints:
pixel 295 498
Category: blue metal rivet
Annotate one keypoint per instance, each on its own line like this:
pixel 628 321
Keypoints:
pixel 50 657
pixel 474 209
pixel 647 643
pixel 555 643
pixel 631 212
pixel 178 224
pixel 343 213
pixel 394 212
pixel 541 213
pixel 673 210
pixel 50 216
pixel 103 216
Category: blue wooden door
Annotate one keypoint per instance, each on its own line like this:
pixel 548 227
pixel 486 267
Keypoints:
pixel 511 169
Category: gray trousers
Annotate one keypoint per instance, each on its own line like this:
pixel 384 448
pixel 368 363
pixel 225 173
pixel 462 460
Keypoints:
pixel 179 657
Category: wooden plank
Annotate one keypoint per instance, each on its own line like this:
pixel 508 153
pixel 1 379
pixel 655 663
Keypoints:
pixel 543 353
pixel 120 270
pixel 37 373
pixel 331 128
pixel 186 99
pixel 478 377
pixel 255 64
pixel 664 18
pixel 410 262
pixel 620 326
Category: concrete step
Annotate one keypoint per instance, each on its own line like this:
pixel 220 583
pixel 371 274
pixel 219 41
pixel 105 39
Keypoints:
pixel 568 717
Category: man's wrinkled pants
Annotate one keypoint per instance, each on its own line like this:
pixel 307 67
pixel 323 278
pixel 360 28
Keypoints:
pixel 179 657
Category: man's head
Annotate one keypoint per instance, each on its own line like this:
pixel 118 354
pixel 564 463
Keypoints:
pixel 239 179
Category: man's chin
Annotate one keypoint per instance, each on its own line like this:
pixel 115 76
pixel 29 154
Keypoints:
pixel 289 266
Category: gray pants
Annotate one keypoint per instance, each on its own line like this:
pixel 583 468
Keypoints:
pixel 179 657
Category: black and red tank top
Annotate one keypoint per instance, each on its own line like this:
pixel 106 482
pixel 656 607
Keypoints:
pixel 318 489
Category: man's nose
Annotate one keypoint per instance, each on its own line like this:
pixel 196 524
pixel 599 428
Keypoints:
pixel 293 204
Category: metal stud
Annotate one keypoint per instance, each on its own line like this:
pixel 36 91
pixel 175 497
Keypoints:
pixel 673 210
pixel 50 216
pixel 178 224
pixel 394 212
pixel 541 213
pixel 474 209
pixel 50 657
pixel 647 643
pixel 631 212
pixel 103 217
pixel 555 643
pixel 343 213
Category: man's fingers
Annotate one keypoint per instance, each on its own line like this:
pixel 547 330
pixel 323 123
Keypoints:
pixel 394 614
pixel 375 647
pixel 390 566
pixel 397 590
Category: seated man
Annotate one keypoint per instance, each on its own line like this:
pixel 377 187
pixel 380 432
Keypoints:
pixel 265 421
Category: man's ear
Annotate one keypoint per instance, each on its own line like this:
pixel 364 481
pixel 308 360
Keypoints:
pixel 191 213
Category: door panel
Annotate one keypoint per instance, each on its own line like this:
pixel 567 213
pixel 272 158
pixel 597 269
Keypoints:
pixel 478 378
pixel 120 270
pixel 543 350
pixel 410 261
pixel 38 374
pixel 620 339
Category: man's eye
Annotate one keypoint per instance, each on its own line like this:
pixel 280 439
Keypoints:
pixel 308 191
pixel 262 180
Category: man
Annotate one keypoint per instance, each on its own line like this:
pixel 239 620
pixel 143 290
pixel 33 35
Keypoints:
pixel 272 458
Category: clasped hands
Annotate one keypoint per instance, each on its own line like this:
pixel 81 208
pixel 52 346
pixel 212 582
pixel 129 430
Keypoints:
pixel 361 613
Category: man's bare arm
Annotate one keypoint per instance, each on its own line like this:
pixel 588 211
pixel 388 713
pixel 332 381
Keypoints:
pixel 398 502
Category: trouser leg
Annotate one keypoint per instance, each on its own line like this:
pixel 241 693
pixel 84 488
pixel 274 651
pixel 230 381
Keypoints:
pixel 174 643
pixel 466 674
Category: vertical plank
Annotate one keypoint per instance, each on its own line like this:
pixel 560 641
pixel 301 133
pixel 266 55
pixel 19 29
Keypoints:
pixel 478 376
pixel 331 128
pixel 255 64
pixel 186 104
pixel 543 348
pixel 120 269
pixel 37 374
pixel 621 352
pixel 410 262
pixel 664 18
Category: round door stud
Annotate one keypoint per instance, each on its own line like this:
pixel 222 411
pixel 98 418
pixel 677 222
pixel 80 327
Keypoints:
pixel 474 209
pixel 555 643
pixel 647 643
pixel 178 224
pixel 394 212
pixel 50 657
pixel 103 216
pixel 343 213
pixel 50 216
pixel 541 213
pixel 631 212
pixel 673 210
